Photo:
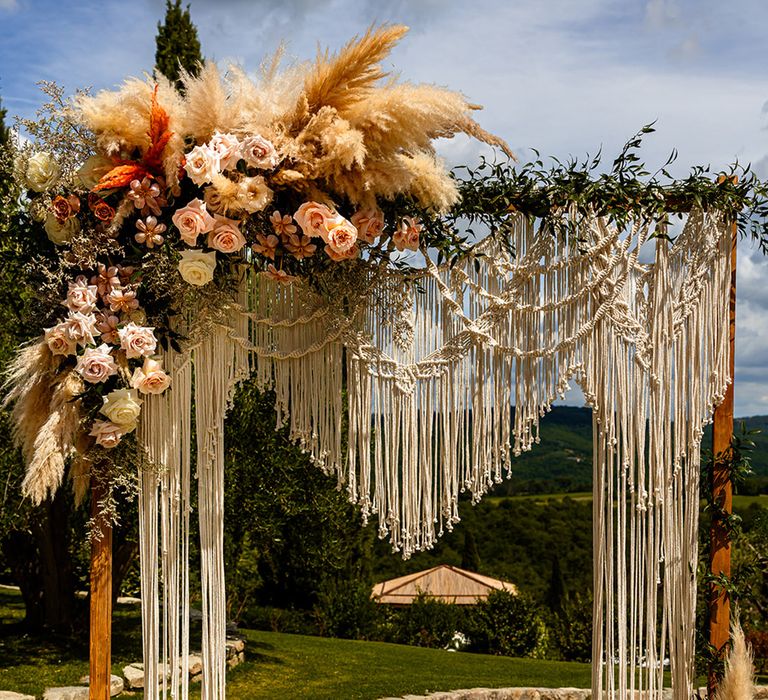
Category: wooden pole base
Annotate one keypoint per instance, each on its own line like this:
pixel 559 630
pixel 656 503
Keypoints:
pixel 101 600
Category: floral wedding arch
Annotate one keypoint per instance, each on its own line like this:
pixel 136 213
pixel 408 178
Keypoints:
pixel 287 227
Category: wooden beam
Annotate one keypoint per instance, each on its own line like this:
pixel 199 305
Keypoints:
pixel 101 599
pixel 722 494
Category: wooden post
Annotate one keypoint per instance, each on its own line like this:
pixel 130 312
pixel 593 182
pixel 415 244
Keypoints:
pixel 101 600
pixel 722 493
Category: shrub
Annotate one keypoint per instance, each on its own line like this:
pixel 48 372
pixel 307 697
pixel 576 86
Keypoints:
pixel 572 629
pixel 758 639
pixel 269 619
pixel 507 625
pixel 345 609
pixel 427 622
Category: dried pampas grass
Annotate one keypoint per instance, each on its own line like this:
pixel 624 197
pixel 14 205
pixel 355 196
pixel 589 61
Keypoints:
pixel 738 680
pixel 46 417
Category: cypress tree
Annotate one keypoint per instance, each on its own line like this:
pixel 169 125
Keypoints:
pixel 177 43
pixel 5 132
pixel 470 558
pixel 556 593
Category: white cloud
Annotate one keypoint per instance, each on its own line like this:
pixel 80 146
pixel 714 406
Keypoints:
pixel 9 4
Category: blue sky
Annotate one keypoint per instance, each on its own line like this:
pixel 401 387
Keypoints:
pixel 561 76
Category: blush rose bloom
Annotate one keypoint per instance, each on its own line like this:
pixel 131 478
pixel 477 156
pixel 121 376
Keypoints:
pixel 107 433
pixel 96 365
pixel 369 224
pixel 227 148
pixel 407 234
pixel 137 341
pixel 226 236
pixel 202 163
pixel 341 235
pixel 312 217
pixel 122 406
pixel 60 232
pixel 258 152
pixel 150 378
pixel 193 220
pixel 43 172
pixel 59 340
pixel 81 296
pixel 82 328
pixel 196 267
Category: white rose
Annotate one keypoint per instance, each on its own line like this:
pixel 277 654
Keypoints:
pixel 122 407
pixel 42 172
pixel 61 232
pixel 96 365
pixel 202 163
pixel 227 147
pixel 92 171
pixel 196 267
pixel 259 153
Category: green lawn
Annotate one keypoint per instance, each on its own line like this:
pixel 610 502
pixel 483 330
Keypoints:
pixel 739 502
pixel 280 665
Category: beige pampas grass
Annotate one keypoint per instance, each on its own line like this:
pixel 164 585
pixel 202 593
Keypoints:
pixel 45 416
pixel 738 681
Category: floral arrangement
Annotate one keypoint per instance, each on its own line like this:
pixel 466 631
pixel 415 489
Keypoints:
pixel 153 198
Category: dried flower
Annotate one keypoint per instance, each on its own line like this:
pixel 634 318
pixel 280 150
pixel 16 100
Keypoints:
pixel 280 276
pixel 146 196
pixel 64 207
pixel 102 211
pixel 267 245
pixel 300 246
pixel 107 325
pixel 106 279
pixel 149 232
pixel 122 300
pixel 283 225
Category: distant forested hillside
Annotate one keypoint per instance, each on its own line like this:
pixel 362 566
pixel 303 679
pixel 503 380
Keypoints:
pixel 563 460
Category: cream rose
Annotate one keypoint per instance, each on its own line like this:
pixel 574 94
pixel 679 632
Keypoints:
pixel 81 296
pixel 150 378
pixel 226 236
pixel 92 171
pixel 312 218
pixel 61 232
pixel 82 328
pixel 109 434
pixel 193 220
pixel 202 164
pixel 227 148
pixel 369 224
pixel 341 234
pixel 59 340
pixel 122 406
pixel 43 172
pixel 196 267
pixel 258 152
pixel 96 365
pixel 253 194
pixel 137 341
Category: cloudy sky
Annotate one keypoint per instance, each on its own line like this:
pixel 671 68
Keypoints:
pixel 561 76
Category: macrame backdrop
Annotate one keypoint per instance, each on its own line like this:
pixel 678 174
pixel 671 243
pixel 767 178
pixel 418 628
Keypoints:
pixel 448 373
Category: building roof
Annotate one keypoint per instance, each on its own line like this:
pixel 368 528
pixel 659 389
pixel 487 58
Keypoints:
pixel 446 583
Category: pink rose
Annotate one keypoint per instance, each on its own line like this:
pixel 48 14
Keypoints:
pixel 227 148
pixel 96 365
pixel 137 341
pixel 312 216
pixel 226 236
pixel 369 224
pixel 202 163
pixel 59 341
pixel 150 378
pixel 407 234
pixel 81 328
pixel 107 433
pixel 341 234
pixel 259 153
pixel 192 220
pixel 81 296
pixel 350 254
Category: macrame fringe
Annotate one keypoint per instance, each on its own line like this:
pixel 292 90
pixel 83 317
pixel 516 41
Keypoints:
pixel 447 375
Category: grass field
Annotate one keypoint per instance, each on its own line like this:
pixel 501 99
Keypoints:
pixel 739 502
pixel 280 665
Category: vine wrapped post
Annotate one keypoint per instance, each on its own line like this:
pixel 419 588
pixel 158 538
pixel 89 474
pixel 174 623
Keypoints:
pixel 722 495
pixel 101 599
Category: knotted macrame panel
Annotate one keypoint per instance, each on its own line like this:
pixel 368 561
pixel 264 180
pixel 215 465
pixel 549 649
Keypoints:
pixel 447 374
